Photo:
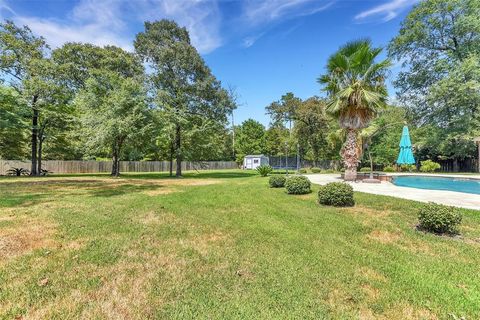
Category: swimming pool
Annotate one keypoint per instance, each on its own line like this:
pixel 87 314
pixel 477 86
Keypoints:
pixel 439 183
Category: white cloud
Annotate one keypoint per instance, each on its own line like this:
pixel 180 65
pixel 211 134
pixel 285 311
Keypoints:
pixel 4 8
pixel 257 12
pixel 386 11
pixel 250 40
pixel 201 18
pixel 104 22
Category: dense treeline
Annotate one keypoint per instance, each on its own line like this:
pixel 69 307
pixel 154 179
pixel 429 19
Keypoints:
pixel 81 101
pixel 161 102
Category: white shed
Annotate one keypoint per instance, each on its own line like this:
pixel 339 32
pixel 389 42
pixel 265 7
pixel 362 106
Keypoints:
pixel 253 161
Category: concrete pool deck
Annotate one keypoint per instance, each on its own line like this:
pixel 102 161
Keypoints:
pixel 451 198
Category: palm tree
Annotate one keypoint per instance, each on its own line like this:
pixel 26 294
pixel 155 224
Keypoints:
pixel 355 84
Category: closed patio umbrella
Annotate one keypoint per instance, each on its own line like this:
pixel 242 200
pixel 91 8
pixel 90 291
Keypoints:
pixel 406 155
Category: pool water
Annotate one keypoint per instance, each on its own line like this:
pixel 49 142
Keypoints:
pixel 439 183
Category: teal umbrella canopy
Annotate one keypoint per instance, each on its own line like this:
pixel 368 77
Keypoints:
pixel 406 155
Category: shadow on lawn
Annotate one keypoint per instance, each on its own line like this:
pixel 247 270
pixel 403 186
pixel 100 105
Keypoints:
pixel 118 190
pixel 192 175
pixel 15 200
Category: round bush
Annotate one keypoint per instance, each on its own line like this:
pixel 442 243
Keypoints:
pixel 336 194
pixel 302 170
pixel 438 218
pixel 277 181
pixel 316 170
pixel 297 185
pixel 365 169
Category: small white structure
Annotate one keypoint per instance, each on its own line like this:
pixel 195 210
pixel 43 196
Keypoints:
pixel 253 161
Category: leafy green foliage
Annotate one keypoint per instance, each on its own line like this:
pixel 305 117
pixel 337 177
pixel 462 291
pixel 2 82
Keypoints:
pixel 114 111
pixel 438 218
pixel 186 93
pixel 429 166
pixel 250 138
pixel 277 181
pixel 315 170
pixel 13 127
pixel 264 170
pixel 302 170
pixel 365 169
pixel 408 168
pixel 439 46
pixel 338 194
pixel 388 169
pixel 297 184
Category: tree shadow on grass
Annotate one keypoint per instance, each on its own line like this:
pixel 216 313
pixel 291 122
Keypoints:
pixel 107 191
pixel 16 200
pixel 191 175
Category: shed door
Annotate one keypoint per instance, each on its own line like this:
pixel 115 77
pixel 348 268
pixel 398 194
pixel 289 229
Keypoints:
pixel 256 163
pixel 248 163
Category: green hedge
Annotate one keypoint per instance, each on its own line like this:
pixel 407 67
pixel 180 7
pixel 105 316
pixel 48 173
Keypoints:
pixel 338 194
pixel 297 185
pixel 277 181
pixel 438 218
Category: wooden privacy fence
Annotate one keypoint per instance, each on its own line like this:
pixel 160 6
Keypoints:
pixel 60 166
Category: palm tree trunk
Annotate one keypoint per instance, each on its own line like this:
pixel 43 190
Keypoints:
pixel 349 155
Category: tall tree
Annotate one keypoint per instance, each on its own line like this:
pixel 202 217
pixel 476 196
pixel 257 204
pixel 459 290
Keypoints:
pixel 311 127
pixel 25 64
pixel 183 86
pixel 114 113
pixel 250 138
pixel 439 45
pixel 355 84
pixel 283 112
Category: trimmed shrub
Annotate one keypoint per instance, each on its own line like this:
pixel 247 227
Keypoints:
pixel 264 170
pixel 277 181
pixel 429 166
pixel 297 185
pixel 365 169
pixel 388 169
pixel 302 171
pixel 338 194
pixel 316 170
pixel 438 218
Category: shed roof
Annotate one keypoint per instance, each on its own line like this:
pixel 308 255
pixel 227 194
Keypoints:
pixel 256 156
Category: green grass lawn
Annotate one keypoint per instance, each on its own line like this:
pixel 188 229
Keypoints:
pixel 218 245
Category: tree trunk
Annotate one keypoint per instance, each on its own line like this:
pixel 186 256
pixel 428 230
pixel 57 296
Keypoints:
pixel 39 159
pixel 349 155
pixel 114 164
pixel 178 151
pixel 33 171
pixel 116 161
pixel 172 152
pixel 41 138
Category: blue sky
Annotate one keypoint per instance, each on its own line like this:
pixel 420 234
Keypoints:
pixel 263 48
